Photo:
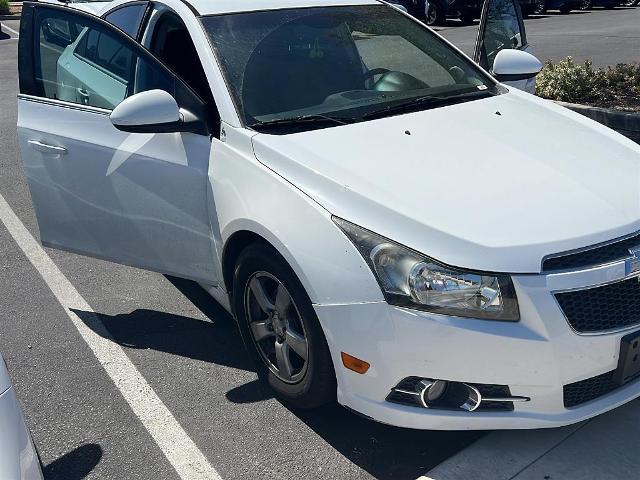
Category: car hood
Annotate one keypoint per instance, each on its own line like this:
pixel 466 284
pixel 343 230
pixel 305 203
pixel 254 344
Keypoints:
pixel 493 184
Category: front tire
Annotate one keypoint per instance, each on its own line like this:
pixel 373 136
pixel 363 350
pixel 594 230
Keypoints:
pixel 280 329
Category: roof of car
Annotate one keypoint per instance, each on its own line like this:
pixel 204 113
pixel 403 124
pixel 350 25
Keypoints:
pixel 215 7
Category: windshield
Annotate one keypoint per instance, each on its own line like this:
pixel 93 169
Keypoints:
pixel 337 65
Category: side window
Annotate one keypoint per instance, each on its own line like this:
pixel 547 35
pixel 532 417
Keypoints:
pixel 81 61
pixel 171 43
pixel 128 19
pixel 502 31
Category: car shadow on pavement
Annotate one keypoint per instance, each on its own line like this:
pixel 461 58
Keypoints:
pixel 385 452
pixel 74 465
pixel 216 341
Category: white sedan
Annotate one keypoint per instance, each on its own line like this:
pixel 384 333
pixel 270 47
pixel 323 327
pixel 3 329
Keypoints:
pixel 18 457
pixel 390 223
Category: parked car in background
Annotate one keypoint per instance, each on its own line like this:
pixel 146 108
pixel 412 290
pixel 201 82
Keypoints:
pixel 435 12
pixel 564 6
pixel 528 7
pixel 607 4
pixel 18 457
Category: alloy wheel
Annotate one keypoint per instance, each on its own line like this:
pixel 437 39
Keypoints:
pixel 276 327
pixel 432 16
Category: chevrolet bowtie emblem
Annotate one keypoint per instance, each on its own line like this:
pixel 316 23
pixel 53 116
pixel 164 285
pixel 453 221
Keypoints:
pixel 632 264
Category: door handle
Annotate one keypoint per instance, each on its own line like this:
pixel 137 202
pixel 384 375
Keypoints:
pixel 44 148
pixel 84 95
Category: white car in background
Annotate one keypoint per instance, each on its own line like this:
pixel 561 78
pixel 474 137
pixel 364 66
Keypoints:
pixel 390 224
pixel 18 457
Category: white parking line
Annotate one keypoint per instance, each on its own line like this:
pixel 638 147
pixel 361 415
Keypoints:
pixel 188 461
pixel 17 34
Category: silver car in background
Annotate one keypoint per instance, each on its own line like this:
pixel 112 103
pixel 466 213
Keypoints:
pixel 18 457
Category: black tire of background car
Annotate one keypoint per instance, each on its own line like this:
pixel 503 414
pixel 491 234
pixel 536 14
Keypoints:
pixel 318 386
pixel 435 15
pixel 629 3
pixel 540 7
pixel 585 4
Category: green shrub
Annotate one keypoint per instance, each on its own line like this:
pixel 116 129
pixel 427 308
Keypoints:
pixel 567 81
pixel 571 82
pixel 4 7
pixel 624 79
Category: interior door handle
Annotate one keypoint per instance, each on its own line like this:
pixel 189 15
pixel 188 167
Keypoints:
pixel 44 148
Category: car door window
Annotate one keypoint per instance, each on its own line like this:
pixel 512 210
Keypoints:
pixel 81 61
pixel 171 43
pixel 128 19
pixel 502 30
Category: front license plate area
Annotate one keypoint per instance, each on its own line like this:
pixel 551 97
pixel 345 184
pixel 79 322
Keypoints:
pixel 629 360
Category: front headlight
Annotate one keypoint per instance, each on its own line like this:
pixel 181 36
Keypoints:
pixel 410 279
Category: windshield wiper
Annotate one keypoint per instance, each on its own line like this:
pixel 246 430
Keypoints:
pixel 425 100
pixel 301 120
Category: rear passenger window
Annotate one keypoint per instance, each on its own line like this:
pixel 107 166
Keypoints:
pixel 79 60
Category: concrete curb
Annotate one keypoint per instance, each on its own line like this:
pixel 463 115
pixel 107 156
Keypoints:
pixel 626 123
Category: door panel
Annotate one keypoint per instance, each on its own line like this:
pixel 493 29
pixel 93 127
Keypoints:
pixel 136 199
pixel 502 27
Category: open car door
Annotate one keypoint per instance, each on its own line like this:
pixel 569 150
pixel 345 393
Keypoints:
pixel 138 199
pixel 502 27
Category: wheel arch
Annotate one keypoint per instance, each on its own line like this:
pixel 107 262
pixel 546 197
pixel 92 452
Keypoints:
pixel 251 233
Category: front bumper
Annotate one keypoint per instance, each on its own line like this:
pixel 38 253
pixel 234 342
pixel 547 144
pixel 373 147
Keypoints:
pixel 536 357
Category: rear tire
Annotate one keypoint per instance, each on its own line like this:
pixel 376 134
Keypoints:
pixel 303 383
pixel 585 4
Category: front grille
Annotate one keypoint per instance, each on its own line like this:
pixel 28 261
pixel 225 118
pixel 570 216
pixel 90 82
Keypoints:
pixel 599 309
pixel 586 390
pixel 601 255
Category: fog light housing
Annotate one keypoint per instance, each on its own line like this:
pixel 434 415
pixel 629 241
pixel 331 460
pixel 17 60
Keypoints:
pixel 437 394
pixel 448 395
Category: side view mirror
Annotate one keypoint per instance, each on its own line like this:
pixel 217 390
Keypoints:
pixel 511 65
pixel 153 111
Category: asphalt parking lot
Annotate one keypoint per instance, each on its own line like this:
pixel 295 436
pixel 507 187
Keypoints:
pixel 187 349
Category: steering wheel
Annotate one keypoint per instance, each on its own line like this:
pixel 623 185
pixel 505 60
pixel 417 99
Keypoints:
pixel 375 71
